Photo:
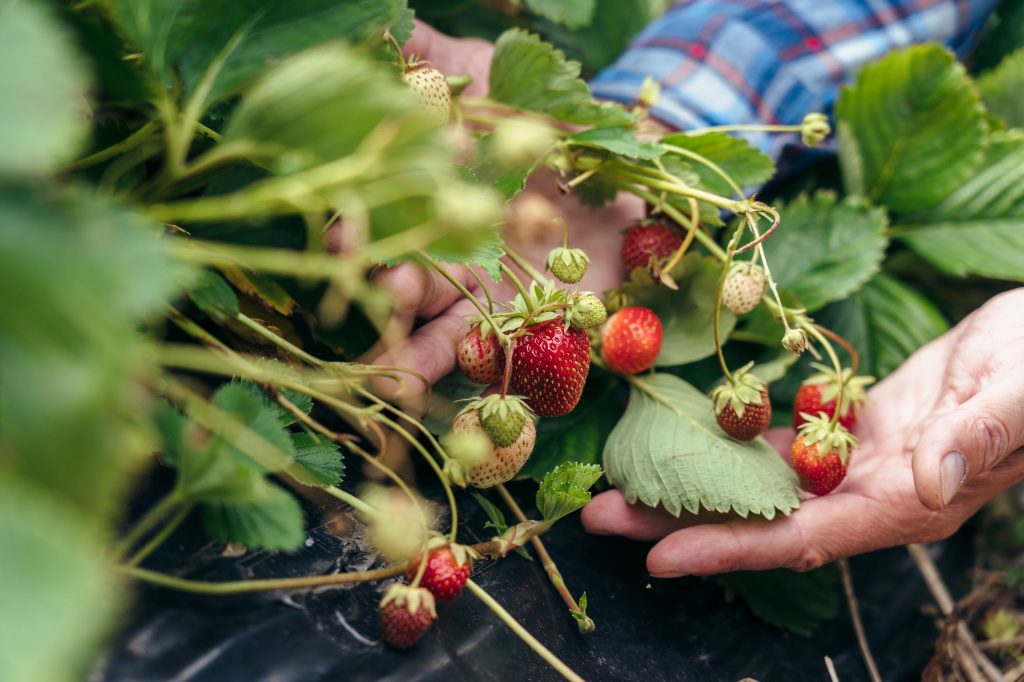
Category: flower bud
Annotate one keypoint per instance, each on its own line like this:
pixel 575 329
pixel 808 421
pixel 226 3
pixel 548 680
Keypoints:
pixel 795 341
pixel 814 129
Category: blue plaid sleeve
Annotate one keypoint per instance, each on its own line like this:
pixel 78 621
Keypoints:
pixel 773 61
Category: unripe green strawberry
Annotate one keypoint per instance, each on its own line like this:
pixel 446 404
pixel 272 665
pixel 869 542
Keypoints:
pixel 431 87
pixel 742 408
pixel 821 454
pixel 568 265
pixel 478 355
pixel 502 418
pixel 587 311
pixel 405 614
pixel 631 340
pixel 503 463
pixel 744 287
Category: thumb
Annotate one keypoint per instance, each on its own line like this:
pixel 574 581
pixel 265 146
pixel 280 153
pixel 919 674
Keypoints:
pixel 968 441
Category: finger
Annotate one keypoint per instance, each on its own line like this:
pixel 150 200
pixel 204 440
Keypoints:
pixel 453 56
pixel 822 530
pixel 430 351
pixel 421 292
pixel 968 441
pixel 610 514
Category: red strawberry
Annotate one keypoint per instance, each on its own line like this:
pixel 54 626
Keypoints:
pixel 405 614
pixel 447 570
pixel 821 454
pixel 549 367
pixel 431 87
pixel 742 407
pixel 631 340
pixel 819 392
pixel 479 358
pixel 644 242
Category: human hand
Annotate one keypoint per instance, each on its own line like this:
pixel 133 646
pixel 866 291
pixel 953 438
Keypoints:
pixel 963 393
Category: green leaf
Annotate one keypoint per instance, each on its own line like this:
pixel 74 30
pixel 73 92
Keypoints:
pixel 911 129
pixel 58 593
pixel 42 114
pixel 1001 90
pixel 979 228
pixel 532 75
pixel 215 297
pixel 594 192
pixel 80 279
pixel 494 515
pixel 1004 33
pixel 614 24
pixel 798 602
pixel 300 400
pixel 899 321
pixel 572 13
pixel 187 36
pixel 667 449
pixel 489 247
pixel 687 315
pixel 212 474
pixel 276 525
pixel 618 141
pixel 747 166
pixel 566 489
pixel 238 402
pixel 319 457
pixel 580 435
pixel 824 250
pixel 170 424
pixel 261 288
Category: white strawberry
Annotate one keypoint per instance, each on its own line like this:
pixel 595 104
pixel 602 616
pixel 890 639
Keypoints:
pixel 502 463
pixel 744 287
pixel 432 87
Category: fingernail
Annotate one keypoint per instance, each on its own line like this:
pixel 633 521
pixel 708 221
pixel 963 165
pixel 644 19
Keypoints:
pixel 951 475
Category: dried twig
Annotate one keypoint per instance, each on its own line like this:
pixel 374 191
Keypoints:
pixel 858 627
pixel 831 668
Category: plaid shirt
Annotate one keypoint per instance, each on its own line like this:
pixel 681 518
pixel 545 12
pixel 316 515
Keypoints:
pixel 774 61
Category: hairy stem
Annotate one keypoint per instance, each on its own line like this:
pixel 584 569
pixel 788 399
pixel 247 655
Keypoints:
pixel 465 292
pixel 525 265
pixel 244 586
pixel 164 533
pixel 127 144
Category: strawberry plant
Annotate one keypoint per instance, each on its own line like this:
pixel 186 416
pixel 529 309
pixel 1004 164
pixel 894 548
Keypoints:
pixel 168 173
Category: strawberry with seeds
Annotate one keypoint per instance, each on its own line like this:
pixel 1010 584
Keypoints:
pixel 631 340
pixel 819 394
pixel 405 614
pixel 648 241
pixel 821 454
pixel 743 288
pixel 502 463
pixel 479 356
pixel 742 408
pixel 447 570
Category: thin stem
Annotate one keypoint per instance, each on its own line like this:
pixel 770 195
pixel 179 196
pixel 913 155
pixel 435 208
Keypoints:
pixel 549 565
pixel 730 252
pixel 518 284
pixel 465 292
pixel 752 222
pixel 164 533
pixel 525 265
pixel 146 523
pixel 245 586
pixel 629 174
pixel 812 329
pixel 761 237
pixel 524 635
pixel 707 162
pixel 854 356
pixel 279 341
pixel 691 230
pixel 507 374
pixel 207 132
pixel 352 501
pixel 483 287
pixel 127 144
pixel 752 127
pixel 858 627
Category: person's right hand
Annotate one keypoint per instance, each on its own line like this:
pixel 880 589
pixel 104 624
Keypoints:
pixel 944 435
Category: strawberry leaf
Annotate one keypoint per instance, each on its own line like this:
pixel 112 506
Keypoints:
pixel 911 129
pixel 798 602
pixel 1000 89
pixel 300 400
pixel 319 456
pixel 214 297
pixel 276 524
pixel 746 165
pixel 572 14
pixel 618 141
pixel 532 75
pixel 979 228
pixel 826 249
pixel 668 450
pixel 566 489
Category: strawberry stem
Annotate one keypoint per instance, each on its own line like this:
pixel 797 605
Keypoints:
pixel 243 586
pixel 483 287
pixel 758 239
pixel 388 38
pixel 519 286
pixel 718 300
pixel 465 292
pixel 565 227
pixel 507 374
pixel 854 356
pixel 812 329
pixel 707 162
pixel 525 265
pixel 690 232
pixel 164 533
pixel 523 633
pixel 586 625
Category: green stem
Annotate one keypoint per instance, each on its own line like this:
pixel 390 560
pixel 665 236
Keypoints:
pixel 730 249
pixel 246 586
pixel 651 179
pixel 752 221
pixel 707 162
pixel 525 265
pixel 279 341
pixel 854 355
pixel 750 127
pixel 352 501
pixel 812 329
pixel 465 292
pixel 518 285
pixel 530 640
pixel 263 260
pixel 208 133
pixel 164 533
pixel 146 523
pixel 125 145
pixel 483 287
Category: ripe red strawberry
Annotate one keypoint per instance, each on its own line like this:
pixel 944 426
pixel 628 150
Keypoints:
pixel 821 454
pixel 644 242
pixel 743 288
pixel 819 392
pixel 479 358
pixel 502 463
pixel 742 407
pixel 431 87
pixel 405 614
pixel 549 366
pixel 448 567
pixel 631 340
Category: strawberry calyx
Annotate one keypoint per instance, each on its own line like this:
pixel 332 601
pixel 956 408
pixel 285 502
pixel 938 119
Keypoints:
pixel 463 554
pixel 568 265
pixel 502 417
pixel 827 436
pixel 412 598
pixel 744 389
pixel 854 395
pixel 539 305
